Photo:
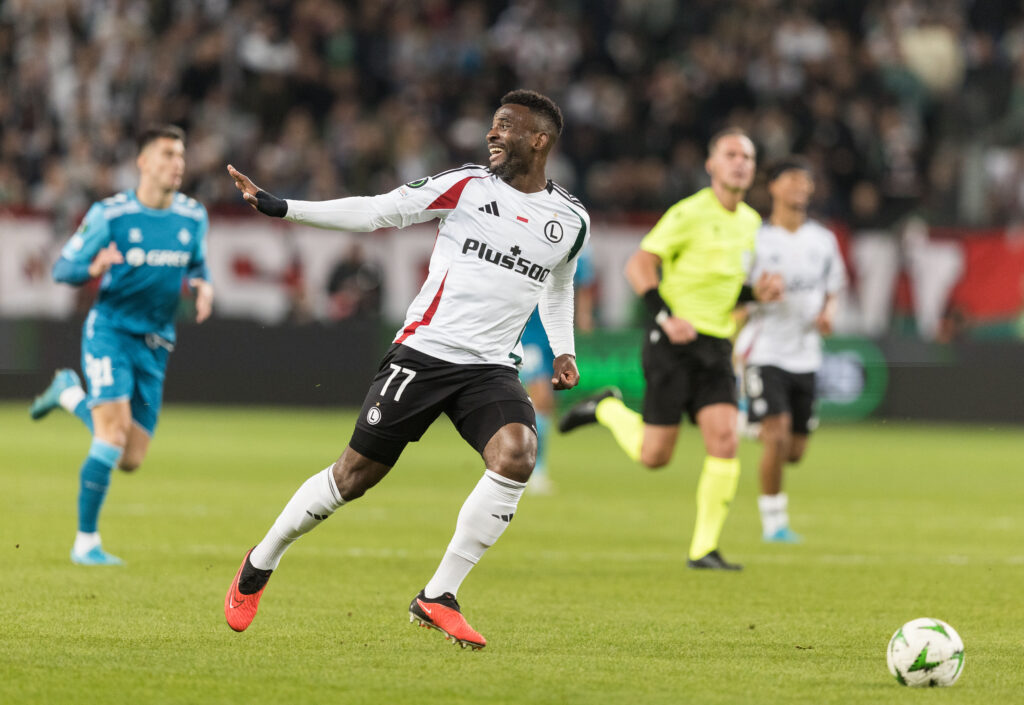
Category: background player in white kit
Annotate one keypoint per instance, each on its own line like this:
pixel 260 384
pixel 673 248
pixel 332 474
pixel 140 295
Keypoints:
pixel 507 240
pixel 781 344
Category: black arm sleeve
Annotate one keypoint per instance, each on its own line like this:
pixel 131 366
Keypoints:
pixel 270 204
pixel 654 303
pixel 746 294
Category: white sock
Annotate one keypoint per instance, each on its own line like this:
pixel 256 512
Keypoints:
pixel 316 500
pixel 86 541
pixel 774 512
pixel 70 398
pixel 482 519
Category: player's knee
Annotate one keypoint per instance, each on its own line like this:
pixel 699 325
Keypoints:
pixel 723 443
pixel 114 435
pixel 775 434
pixel 512 452
pixel 129 464
pixel 515 461
pixel 655 458
pixel 779 441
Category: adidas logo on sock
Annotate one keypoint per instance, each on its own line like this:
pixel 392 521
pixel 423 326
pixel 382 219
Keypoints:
pixel 318 517
pixel 491 208
pixel 504 517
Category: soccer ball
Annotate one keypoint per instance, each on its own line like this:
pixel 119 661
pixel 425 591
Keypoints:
pixel 925 652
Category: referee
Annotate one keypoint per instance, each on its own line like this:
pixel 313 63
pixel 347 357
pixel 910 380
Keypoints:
pixel 690 271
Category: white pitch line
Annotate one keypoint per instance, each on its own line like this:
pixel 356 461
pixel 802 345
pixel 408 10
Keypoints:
pixel 564 557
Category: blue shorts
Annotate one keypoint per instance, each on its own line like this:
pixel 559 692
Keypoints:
pixel 120 365
pixel 538 360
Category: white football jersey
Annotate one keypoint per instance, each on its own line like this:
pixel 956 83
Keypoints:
pixel 498 253
pixel 783 333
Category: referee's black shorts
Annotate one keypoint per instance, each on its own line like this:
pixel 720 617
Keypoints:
pixel 412 389
pixel 685 377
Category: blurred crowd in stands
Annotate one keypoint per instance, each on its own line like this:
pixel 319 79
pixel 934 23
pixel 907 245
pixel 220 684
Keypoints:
pixel 903 105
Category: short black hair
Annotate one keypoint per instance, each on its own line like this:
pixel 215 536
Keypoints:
pixel 155 132
pixel 727 132
pixel 781 166
pixel 537 103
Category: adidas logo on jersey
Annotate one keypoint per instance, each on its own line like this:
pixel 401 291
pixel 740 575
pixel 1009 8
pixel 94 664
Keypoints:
pixel 491 208
pixel 511 261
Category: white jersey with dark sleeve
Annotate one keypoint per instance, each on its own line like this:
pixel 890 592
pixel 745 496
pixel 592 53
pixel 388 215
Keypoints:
pixel 783 333
pixel 498 254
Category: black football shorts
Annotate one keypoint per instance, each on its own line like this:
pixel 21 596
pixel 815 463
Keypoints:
pixel 772 391
pixel 685 378
pixel 412 389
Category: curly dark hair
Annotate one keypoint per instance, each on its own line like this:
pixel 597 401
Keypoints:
pixel 538 104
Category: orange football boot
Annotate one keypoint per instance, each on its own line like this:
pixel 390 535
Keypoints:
pixel 240 607
pixel 443 614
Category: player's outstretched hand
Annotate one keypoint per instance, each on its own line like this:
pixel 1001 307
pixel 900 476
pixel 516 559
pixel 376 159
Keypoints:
pixel 244 184
pixel 105 259
pixel 204 298
pixel 566 375
pixel 261 200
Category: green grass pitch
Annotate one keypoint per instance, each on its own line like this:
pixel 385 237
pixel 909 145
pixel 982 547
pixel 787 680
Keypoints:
pixel 586 598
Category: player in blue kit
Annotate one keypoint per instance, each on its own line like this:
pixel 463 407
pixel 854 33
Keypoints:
pixel 538 368
pixel 144 244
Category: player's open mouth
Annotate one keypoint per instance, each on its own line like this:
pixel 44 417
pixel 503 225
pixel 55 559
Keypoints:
pixel 495 150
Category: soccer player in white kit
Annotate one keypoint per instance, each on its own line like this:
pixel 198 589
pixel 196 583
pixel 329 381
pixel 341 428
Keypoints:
pixel 780 346
pixel 507 240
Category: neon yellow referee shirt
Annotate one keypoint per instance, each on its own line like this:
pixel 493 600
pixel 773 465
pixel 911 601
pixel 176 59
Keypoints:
pixel 705 252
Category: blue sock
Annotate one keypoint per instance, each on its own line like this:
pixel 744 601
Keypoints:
pixel 95 477
pixel 83 412
pixel 543 424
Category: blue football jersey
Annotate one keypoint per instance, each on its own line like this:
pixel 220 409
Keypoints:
pixel 161 249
